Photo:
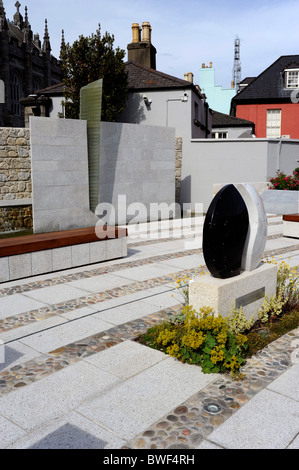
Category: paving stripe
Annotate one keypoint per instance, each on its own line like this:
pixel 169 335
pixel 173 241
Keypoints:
pixel 43 313
pixel 21 375
pixel 33 285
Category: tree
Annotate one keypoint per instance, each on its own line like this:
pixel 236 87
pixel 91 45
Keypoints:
pixel 87 60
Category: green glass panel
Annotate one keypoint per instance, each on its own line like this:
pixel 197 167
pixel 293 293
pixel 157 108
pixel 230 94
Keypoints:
pixel 90 111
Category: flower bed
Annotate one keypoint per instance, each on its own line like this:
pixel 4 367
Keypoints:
pixel 220 344
pixel 283 182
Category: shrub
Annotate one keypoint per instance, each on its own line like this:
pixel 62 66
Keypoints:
pixel 284 182
pixel 202 339
pixel 287 293
pixel 237 320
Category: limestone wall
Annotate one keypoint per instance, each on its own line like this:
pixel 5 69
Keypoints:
pixel 15 164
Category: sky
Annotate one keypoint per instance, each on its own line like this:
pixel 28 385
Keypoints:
pixel 186 34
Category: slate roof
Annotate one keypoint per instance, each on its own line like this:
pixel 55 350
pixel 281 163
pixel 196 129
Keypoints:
pixel 54 90
pixel 225 120
pixel 144 78
pixel 269 86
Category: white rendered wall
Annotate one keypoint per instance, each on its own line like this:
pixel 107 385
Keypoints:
pixel 208 162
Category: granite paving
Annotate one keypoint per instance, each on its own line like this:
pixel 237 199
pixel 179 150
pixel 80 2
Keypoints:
pixel 74 376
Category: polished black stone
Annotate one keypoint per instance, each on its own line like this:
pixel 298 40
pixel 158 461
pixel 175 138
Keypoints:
pixel 224 233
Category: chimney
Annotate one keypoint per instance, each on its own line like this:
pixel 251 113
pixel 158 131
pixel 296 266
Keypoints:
pixel 189 77
pixel 211 65
pixel 141 50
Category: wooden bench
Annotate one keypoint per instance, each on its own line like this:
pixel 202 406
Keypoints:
pixel 32 255
pixel 291 225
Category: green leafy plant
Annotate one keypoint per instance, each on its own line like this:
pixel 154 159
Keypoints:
pixel 87 60
pixel 222 344
pixel 286 296
pixel 237 320
pixel 202 339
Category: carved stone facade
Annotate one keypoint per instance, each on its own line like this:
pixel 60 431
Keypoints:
pixel 26 65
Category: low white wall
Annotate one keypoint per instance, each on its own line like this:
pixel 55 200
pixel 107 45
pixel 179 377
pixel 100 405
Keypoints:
pixel 207 162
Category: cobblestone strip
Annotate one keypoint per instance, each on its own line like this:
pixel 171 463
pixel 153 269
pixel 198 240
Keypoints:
pixel 26 318
pixel 43 313
pixel 95 272
pixel 33 370
pixel 190 423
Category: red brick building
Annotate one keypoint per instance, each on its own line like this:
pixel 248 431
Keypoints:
pixel 271 100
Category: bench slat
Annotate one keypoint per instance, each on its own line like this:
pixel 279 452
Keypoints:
pixel 291 218
pixel 45 241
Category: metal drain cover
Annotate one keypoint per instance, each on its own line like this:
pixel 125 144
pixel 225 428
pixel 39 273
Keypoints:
pixel 213 408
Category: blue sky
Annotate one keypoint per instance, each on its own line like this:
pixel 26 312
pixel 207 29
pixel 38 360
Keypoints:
pixel 185 34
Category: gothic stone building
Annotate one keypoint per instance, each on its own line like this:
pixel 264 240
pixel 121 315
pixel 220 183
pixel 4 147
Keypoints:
pixel 26 65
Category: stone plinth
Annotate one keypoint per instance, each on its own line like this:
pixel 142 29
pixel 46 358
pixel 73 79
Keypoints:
pixel 247 290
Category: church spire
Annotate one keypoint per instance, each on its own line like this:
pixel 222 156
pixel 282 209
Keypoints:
pixel 46 43
pixel 27 25
pixel 18 18
pixel 2 10
pixel 3 21
pixel 27 33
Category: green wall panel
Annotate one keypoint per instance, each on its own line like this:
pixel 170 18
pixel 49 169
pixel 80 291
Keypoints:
pixel 90 110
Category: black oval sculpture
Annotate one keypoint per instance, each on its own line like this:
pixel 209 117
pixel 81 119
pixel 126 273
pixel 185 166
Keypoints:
pixel 224 233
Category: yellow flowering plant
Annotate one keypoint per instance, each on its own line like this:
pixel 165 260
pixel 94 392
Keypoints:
pixel 202 339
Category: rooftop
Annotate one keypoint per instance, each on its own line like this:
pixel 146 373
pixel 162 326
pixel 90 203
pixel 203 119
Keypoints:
pixel 270 84
pixel 141 78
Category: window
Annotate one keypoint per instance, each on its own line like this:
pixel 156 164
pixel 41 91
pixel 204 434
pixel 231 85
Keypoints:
pixel 273 123
pixel 292 78
pixel 36 84
pixel 15 88
pixel 220 135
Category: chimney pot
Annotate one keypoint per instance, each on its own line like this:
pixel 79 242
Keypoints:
pixel 211 65
pixel 203 66
pixel 189 77
pixel 135 32
pixel 146 29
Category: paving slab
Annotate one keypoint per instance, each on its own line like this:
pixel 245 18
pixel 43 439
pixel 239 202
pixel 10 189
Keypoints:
pixel 54 338
pixel 9 432
pixel 17 353
pixel 100 283
pixel 70 432
pixel 126 313
pixel 140 401
pixel 185 262
pixel 126 359
pixel 32 328
pixel 268 421
pixel 56 294
pixel 288 384
pixel 54 396
pixel 279 243
pixel 151 271
pixel 16 304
